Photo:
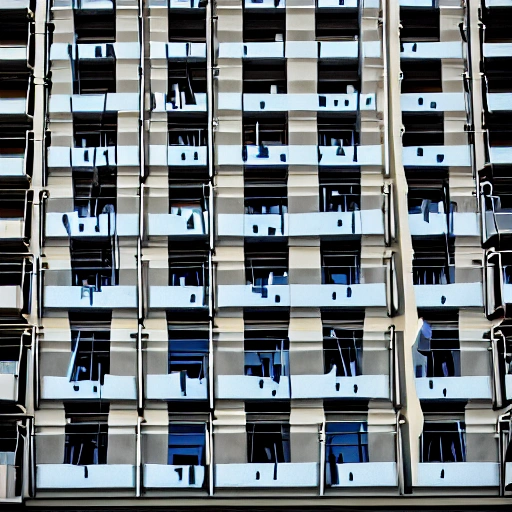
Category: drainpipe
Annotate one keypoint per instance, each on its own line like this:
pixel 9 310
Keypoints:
pixel 138 472
pixel 387 164
pixel 322 458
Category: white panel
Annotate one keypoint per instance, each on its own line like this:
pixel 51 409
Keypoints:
pixel 177 297
pixel 236 296
pixel 249 387
pixel 161 476
pixel 458 474
pixel 304 474
pixel 79 297
pixel 437 50
pixel 8 387
pixel 433 102
pixel 438 388
pixel 455 295
pixel 366 474
pixel 437 156
pixel 334 295
pixel 168 387
pixel 115 387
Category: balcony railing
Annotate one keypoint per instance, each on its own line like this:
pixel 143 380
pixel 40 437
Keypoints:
pixel 88 158
pixel 114 387
pixel 436 50
pixel 166 476
pixel 458 474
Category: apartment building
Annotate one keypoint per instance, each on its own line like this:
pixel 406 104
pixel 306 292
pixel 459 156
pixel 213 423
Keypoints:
pixel 255 253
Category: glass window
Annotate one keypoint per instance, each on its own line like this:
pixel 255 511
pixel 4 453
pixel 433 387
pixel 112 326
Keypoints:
pixel 346 442
pixel 187 444
pixel 444 442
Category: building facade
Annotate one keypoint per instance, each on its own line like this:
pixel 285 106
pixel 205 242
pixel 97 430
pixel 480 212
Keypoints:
pixel 255 253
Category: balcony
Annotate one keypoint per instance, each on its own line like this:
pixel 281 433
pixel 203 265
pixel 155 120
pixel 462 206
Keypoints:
pixel 331 4
pixel 252 50
pixel 114 387
pixel 500 155
pixel 458 474
pixel 95 51
pixel 457 295
pixel 178 156
pixel 15 216
pixel 172 386
pixel 251 387
pixel 93 476
pixel 499 101
pixel 70 224
pixel 267 155
pixel 454 388
pixel 162 102
pixel 255 475
pixel 234 296
pixel 350 156
pixel 436 156
pixel 89 297
pixel 435 50
pixel 99 103
pixel 163 297
pixel 163 476
pixel 188 222
pixel 264 4
pixel 308 102
pixel 88 158
pixel 433 102
pixel 364 474
pixel 15 105
pixel 331 386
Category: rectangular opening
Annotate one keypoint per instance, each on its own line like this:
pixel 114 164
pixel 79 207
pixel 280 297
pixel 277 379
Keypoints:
pixel 187 444
pixel 12 204
pixel 266 194
pixel 11 347
pixel 341 265
pixel 188 130
pixel 434 260
pixel 95 76
pixel 265 130
pixel 337 25
pixel 92 26
pixel 263 27
pixel 498 24
pixel 438 355
pixel 188 25
pixel 90 347
pixel 346 443
pixel 337 130
pixel 427 193
pixel 264 77
pixel 93 130
pixel 338 77
pixel 188 350
pixel 266 264
pixel 86 443
pixel 186 80
pixel 343 346
pixel 188 266
pixel 423 129
pixel 8 443
pixel 443 441
pixel 268 442
pixel 419 24
pixel 95 191
pixel 421 75
pixel 92 263
pixel 266 353
pixel 340 190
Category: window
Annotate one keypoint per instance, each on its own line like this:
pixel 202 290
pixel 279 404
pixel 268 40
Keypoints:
pixel 266 264
pixel 341 266
pixel 93 26
pixel 443 442
pixel 268 442
pixel 93 267
pixel 337 25
pixel 86 443
pixel 268 77
pixel 266 355
pixel 338 77
pixel 188 267
pixel 187 444
pixel 95 130
pixel 187 131
pixel 8 444
pixel 188 356
pixel 438 348
pixel 11 347
pixel 265 130
pixel 186 80
pixel 428 193
pixel 340 191
pixel 95 75
pixel 264 26
pixel 90 355
pixel 421 75
pixel 337 131
pixel 421 24
pixel 187 25
pixel 346 442
pixel 266 193
pixel 423 129
pixel 95 192
pixel 343 350
pixel 434 261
